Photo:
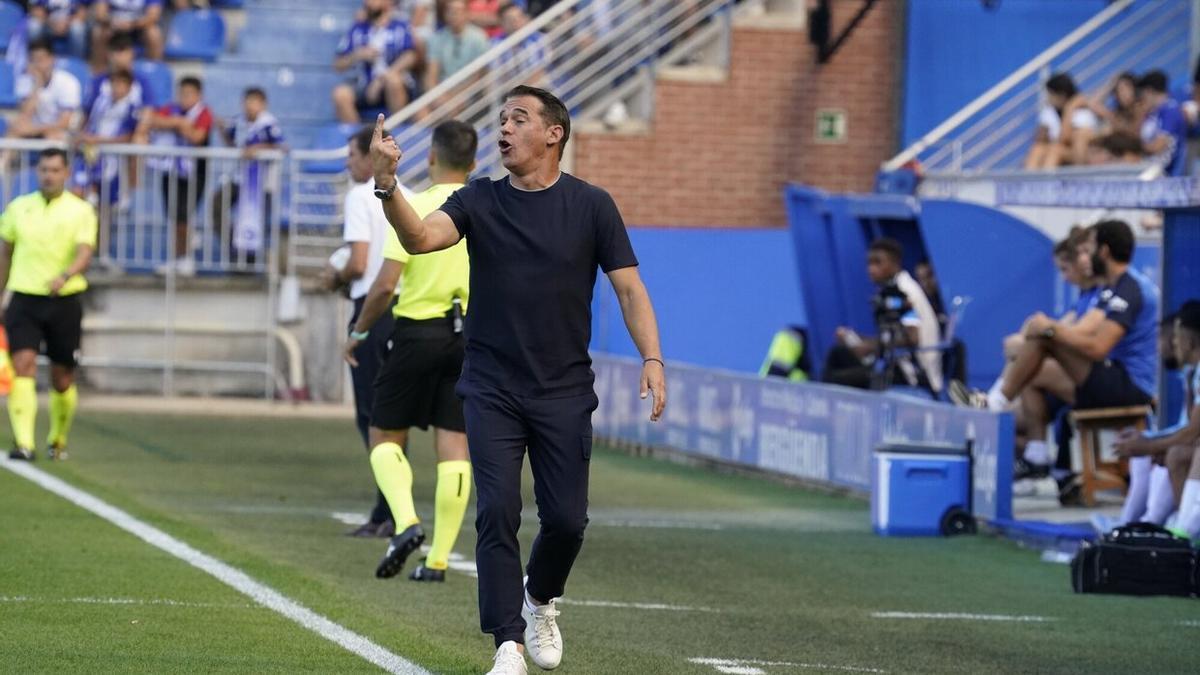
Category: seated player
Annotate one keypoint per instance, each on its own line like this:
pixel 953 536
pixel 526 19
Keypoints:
pixel 1109 363
pixel 1163 467
pixel 383 55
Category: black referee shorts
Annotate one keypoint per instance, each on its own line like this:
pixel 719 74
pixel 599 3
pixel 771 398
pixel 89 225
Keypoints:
pixel 57 322
pixel 415 387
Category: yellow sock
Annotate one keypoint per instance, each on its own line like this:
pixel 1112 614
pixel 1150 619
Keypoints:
pixel 22 411
pixel 62 414
pixel 453 491
pixel 394 476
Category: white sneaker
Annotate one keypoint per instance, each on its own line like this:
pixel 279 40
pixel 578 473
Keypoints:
pixel 508 661
pixel 542 639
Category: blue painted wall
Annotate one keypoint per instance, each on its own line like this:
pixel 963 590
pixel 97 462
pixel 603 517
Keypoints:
pixel 720 295
pixel 957 49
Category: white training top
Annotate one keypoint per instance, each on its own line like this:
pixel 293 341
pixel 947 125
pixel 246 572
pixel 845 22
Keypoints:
pixel 929 333
pixel 365 222
pixel 63 93
pixel 1082 118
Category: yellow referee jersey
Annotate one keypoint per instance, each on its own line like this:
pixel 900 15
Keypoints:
pixel 44 237
pixel 431 281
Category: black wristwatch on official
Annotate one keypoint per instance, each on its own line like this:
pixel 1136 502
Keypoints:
pixel 385 195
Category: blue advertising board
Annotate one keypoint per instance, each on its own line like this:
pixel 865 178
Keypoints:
pixel 819 433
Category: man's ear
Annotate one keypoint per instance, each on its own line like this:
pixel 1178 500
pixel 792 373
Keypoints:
pixel 554 135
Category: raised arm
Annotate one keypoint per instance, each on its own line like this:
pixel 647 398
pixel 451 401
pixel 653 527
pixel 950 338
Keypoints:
pixel 643 328
pixel 418 235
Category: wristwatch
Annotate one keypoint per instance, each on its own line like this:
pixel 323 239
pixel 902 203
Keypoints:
pixel 386 194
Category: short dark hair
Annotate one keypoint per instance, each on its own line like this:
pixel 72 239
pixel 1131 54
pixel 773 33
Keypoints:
pixel 192 81
pixel 120 42
pixel 47 153
pixel 362 138
pixel 554 112
pixel 254 91
pixel 1070 244
pixel 505 6
pixel 1189 316
pixel 1120 144
pixel 455 144
pixel 123 75
pixel 1117 236
pixel 1155 80
pixel 888 246
pixel 41 45
pixel 1061 83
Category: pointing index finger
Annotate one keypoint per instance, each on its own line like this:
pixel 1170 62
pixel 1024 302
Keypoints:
pixel 378 136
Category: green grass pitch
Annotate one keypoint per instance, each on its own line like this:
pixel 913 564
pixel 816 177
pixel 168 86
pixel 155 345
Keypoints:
pixel 755 575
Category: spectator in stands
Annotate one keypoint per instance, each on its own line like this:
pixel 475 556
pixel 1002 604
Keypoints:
pixel 1112 362
pixel 532 55
pixel 50 97
pixel 1164 131
pixel 63 22
pixel 135 18
pixel 423 17
pixel 121 57
pixel 251 195
pixel 112 118
pixel 486 15
pixel 1066 125
pixel 454 46
pixel 183 124
pixel 1117 107
pixel 906 326
pixel 383 54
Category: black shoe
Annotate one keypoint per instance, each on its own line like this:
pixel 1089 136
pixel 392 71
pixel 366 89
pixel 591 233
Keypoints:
pixel 423 573
pixel 398 551
pixel 23 454
pixel 365 530
pixel 1023 470
pixel 1070 491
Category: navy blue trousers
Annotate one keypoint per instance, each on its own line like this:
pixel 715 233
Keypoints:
pixel 558 435
pixel 370 353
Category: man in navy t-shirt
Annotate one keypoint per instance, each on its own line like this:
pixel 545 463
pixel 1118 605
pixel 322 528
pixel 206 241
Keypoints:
pixel 536 239
pixel 1112 364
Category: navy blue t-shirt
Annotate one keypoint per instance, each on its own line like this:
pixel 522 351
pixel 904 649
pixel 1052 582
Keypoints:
pixel 1132 302
pixel 534 257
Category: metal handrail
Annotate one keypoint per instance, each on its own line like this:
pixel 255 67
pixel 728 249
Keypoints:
pixel 1002 87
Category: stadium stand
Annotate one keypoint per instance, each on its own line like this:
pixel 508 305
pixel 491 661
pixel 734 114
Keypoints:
pixel 197 34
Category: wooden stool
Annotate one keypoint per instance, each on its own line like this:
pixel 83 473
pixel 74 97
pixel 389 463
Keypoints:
pixel 1099 474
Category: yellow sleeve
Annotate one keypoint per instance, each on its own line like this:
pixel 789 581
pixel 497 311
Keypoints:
pixel 88 227
pixel 392 250
pixel 8 225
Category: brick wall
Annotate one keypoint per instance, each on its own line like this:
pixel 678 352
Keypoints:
pixel 718 154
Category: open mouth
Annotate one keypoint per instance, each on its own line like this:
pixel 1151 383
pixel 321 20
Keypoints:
pixel 504 146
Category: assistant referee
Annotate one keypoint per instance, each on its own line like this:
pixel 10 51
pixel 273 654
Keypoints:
pixel 47 238
pixel 536 239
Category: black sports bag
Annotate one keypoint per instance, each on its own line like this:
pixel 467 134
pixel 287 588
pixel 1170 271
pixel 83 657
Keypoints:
pixel 1137 559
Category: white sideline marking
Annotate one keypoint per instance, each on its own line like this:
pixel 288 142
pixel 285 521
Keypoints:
pixel 225 573
pixel 1190 624
pixel 122 601
pixel 347 518
pixel 956 616
pixel 751 666
pixel 657 524
pixel 636 605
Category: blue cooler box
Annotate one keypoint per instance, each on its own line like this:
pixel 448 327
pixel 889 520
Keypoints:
pixel 921 490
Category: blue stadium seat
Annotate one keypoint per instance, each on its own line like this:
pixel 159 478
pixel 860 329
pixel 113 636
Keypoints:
pixel 228 4
pixel 328 138
pixel 77 67
pixel 11 18
pixel 8 97
pixel 162 81
pixel 198 34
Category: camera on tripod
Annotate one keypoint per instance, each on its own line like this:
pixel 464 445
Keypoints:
pixel 890 305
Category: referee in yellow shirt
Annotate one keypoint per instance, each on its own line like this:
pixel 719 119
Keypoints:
pixel 46 242
pixel 415 386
